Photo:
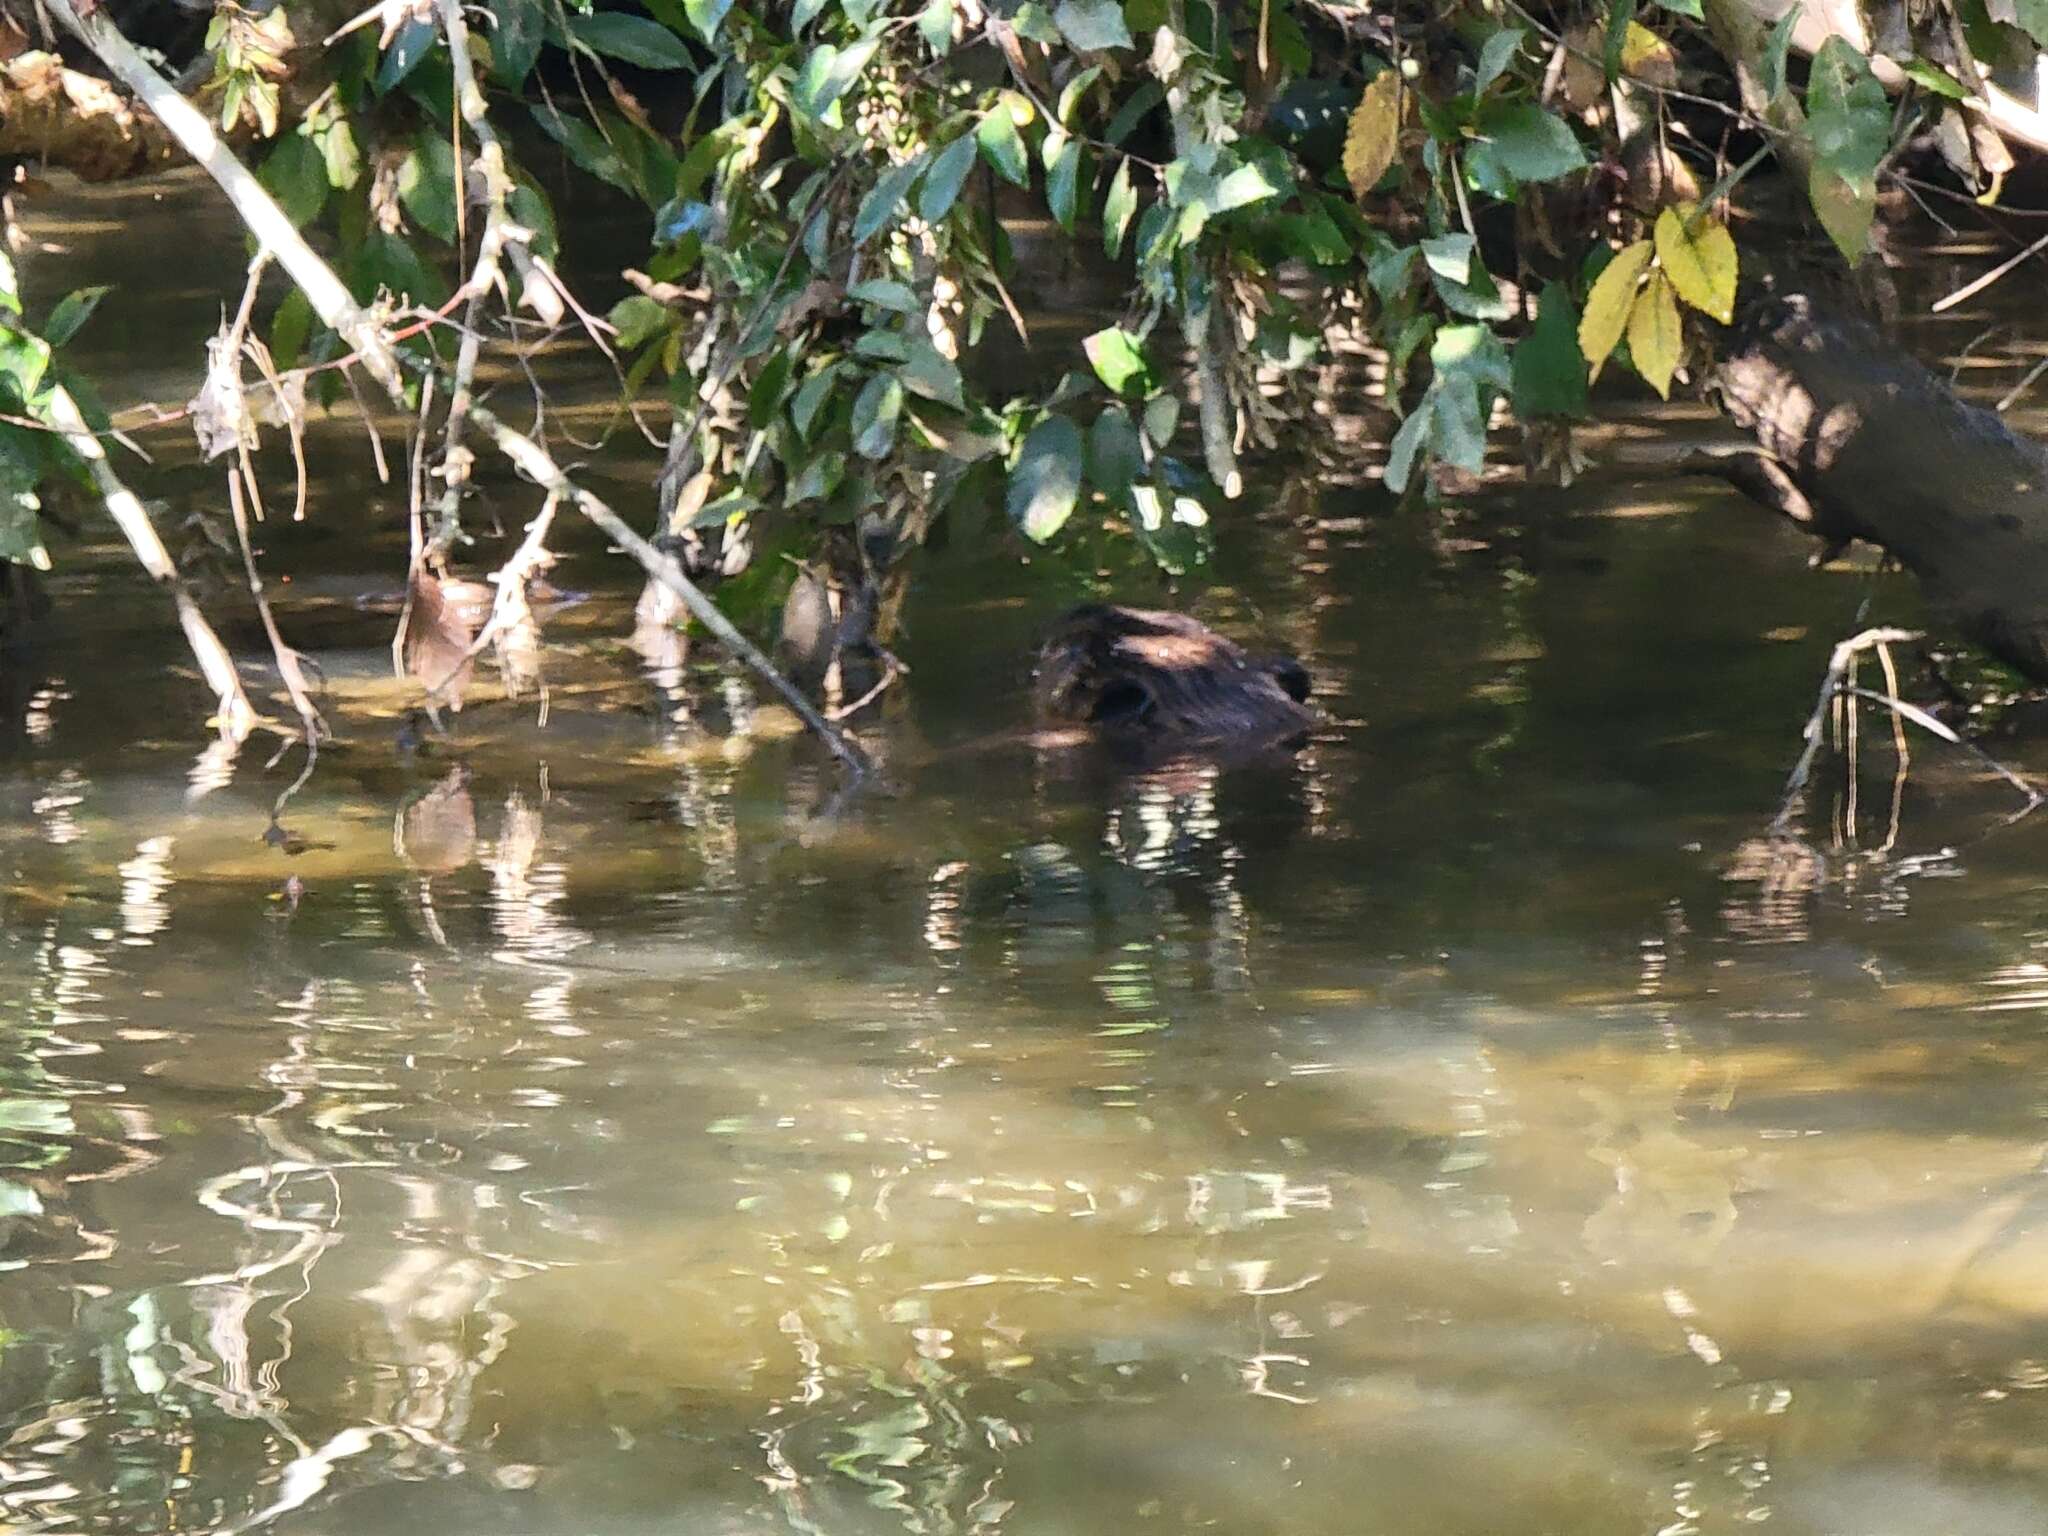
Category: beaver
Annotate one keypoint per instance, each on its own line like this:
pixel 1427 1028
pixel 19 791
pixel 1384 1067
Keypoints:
pixel 1151 682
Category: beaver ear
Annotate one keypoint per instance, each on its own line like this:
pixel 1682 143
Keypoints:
pixel 1122 703
pixel 1292 677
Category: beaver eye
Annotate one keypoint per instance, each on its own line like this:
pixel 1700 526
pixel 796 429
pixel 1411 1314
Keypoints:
pixel 1121 703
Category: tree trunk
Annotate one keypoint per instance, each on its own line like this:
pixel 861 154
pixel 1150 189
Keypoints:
pixel 1859 441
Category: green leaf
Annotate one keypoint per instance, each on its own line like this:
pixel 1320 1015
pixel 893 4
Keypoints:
pixel 24 359
pixel 803 13
pixel 706 16
pixel 426 185
pixel 883 346
pixel 942 183
pixel 1933 78
pixel 1689 8
pixel 1477 298
pixel 935 26
pixel 931 374
pixel 1846 207
pixel 819 479
pixel 1848 116
pixel 296 176
pixel 635 39
pixel 1072 92
pixel 1136 106
pixel 1002 146
pixel 1529 143
pixel 1117 211
pixel 771 387
pixel 516 37
pixel 1162 416
pixel 1548 371
pixel 883 205
pixel 10 285
pixel 1046 482
pixel 1495 56
pixel 1090 25
pixel 2031 16
pixel 828 74
pixel 1777 48
pixel 1115 457
pixel 340 158
pixel 811 396
pixel 1118 358
pixel 289 328
pixel 1035 24
pixel 876 411
pixel 586 147
pixel 1062 178
pixel 884 293
pixel 415 40
pixel 1407 443
pixel 68 318
pixel 638 320
pixel 1449 257
pixel 1457 423
pixel 390 263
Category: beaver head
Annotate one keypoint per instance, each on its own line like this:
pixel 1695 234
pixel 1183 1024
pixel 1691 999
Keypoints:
pixel 1164 681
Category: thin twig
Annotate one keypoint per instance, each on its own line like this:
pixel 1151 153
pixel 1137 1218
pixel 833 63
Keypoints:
pixel 1970 290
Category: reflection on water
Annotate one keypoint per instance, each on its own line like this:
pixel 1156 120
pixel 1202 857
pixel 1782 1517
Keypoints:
pixel 1477 1125
pixel 1481 1124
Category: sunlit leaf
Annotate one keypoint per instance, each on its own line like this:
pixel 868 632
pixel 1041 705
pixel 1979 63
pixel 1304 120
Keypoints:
pixel 426 185
pixel 413 42
pixel 943 181
pixel 1117 210
pixel 1062 178
pixel 1700 261
pixel 1091 25
pixel 931 374
pixel 935 26
pixel 1002 145
pixel 876 410
pixel 706 17
pixel 1373 134
pixel 1118 358
pixel 1932 77
pixel 1846 207
pixel 1607 306
pixel 1655 337
pixel 1046 482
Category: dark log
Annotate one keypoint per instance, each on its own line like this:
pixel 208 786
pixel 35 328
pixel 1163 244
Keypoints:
pixel 1863 442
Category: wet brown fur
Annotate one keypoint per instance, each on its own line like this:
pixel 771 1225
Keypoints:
pixel 1158 681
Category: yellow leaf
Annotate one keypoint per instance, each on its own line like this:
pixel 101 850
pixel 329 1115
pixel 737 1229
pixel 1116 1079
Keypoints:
pixel 1370 140
pixel 1647 56
pixel 1701 264
pixel 1606 313
pixel 1654 337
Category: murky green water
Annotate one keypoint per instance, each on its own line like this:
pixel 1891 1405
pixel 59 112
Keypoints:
pixel 1466 1129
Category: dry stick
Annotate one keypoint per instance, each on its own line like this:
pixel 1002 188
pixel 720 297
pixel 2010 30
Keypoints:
pixel 1836 685
pixel 484 277
pixel 233 710
pixel 1971 289
pixel 287 659
pixel 331 302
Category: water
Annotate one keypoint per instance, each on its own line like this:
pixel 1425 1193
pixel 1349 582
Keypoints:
pixel 1471 1127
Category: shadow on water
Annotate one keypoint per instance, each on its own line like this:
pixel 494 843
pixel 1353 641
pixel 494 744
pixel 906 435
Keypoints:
pixel 1460 1128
